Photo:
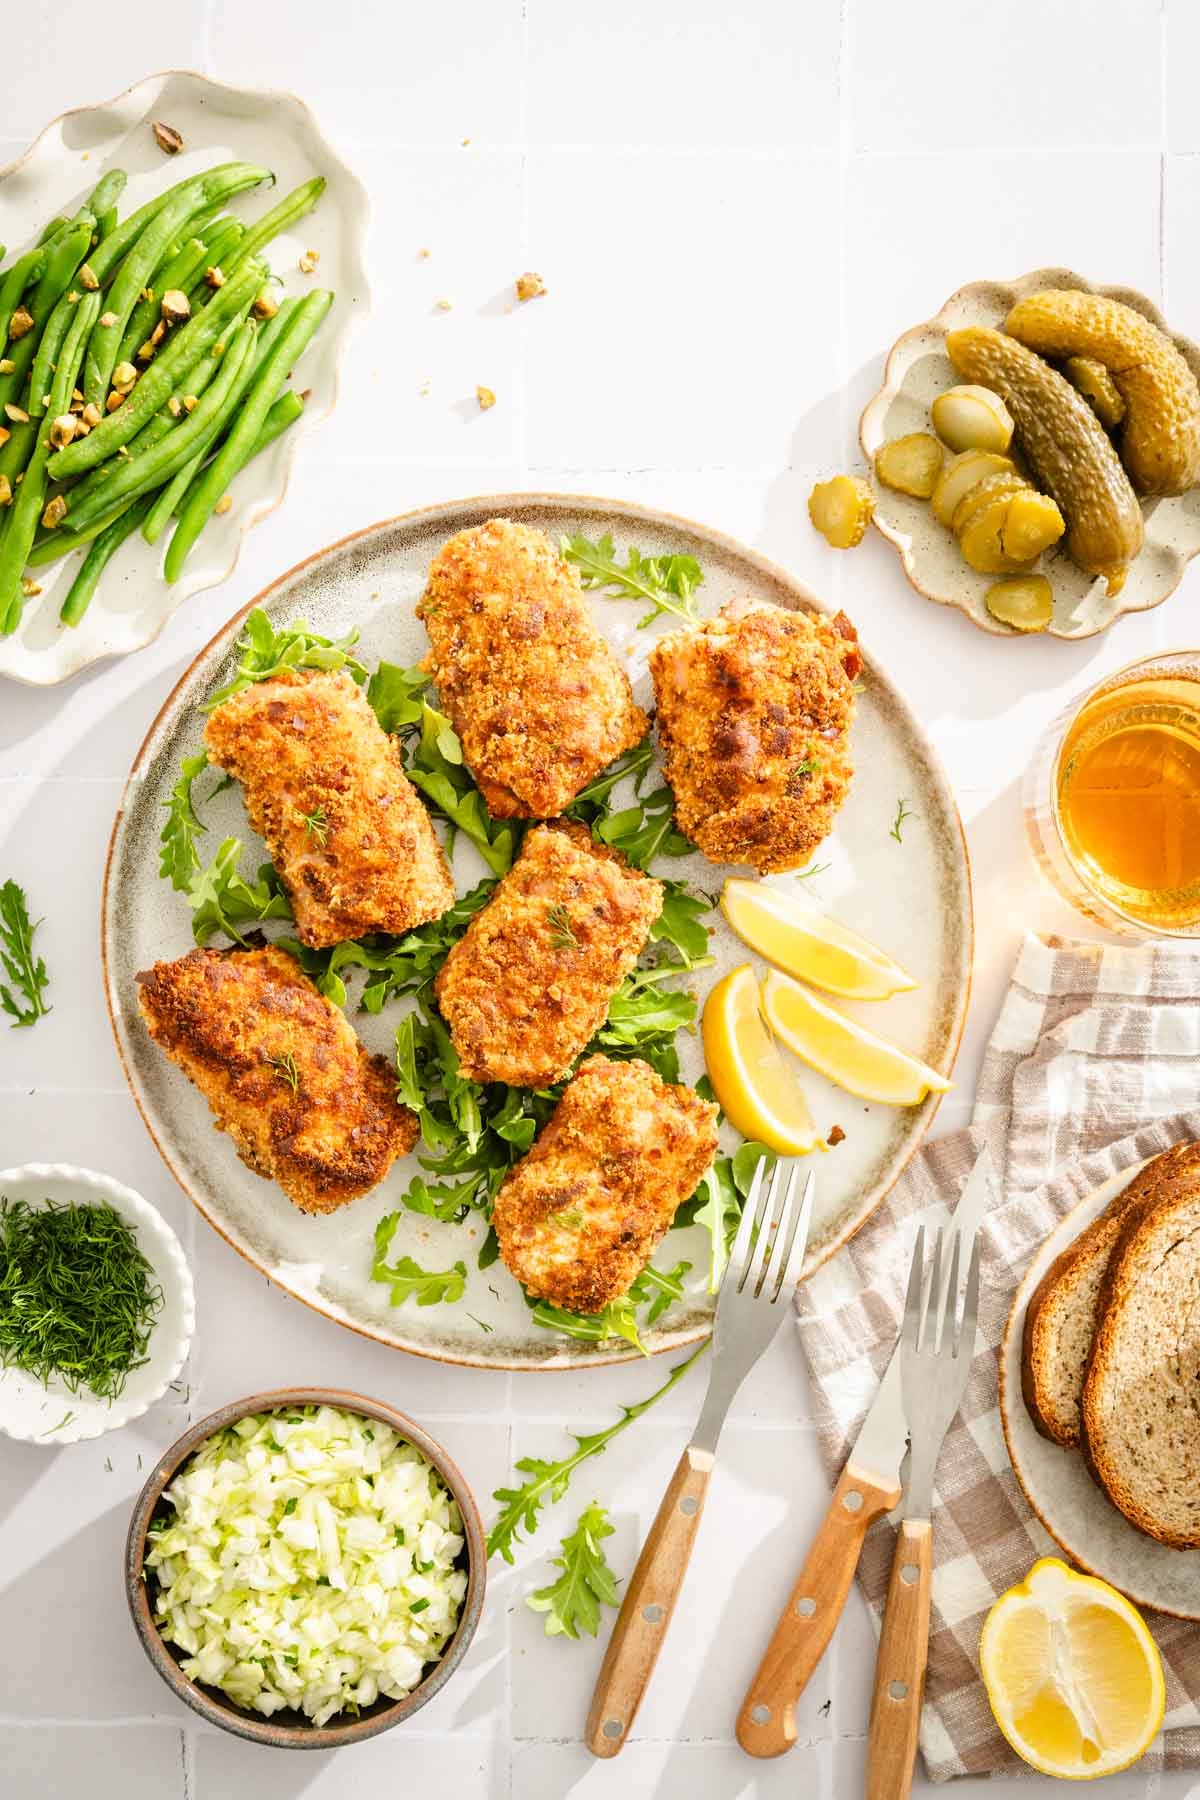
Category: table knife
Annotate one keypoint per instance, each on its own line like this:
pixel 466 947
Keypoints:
pixel 869 1486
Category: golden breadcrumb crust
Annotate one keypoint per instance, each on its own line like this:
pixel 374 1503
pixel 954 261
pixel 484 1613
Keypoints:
pixel 282 1069
pixel 754 713
pixel 529 982
pixel 580 1216
pixel 324 787
pixel 531 688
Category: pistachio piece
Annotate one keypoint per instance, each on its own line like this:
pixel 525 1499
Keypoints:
pixel 5 491
pixel 114 400
pixel 88 278
pixel 174 407
pixel 20 323
pixel 108 320
pixel 309 261
pixel 29 587
pixel 223 504
pixel 266 306
pixel 215 276
pixel 123 377
pixel 17 414
pixel 91 415
pixel 167 138
pixel 62 430
pixel 5 434
pixel 190 403
pixel 529 286
pixel 7 365
pixel 55 512
pixel 176 307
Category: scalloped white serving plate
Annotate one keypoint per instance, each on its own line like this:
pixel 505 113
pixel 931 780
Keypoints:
pixel 1056 1482
pixel 218 124
pixel 913 898
pixel 917 370
pixel 52 1415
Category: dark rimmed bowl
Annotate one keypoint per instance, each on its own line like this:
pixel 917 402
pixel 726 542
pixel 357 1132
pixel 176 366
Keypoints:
pixel 290 1730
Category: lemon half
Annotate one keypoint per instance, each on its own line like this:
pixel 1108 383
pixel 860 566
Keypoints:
pixel 844 1050
pixel 805 942
pixel 1072 1673
pixel 757 1091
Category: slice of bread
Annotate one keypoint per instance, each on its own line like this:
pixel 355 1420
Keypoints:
pixel 1141 1396
pixel 1060 1320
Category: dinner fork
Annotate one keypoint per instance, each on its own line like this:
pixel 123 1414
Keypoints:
pixel 938 1345
pixel 755 1298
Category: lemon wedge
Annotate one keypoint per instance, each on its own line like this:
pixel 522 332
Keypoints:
pixel 789 932
pixel 844 1050
pixel 1072 1673
pixel 757 1091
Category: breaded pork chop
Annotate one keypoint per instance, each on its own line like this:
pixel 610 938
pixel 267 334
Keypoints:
pixel 581 1214
pixel 282 1069
pixel 754 713
pixel 529 982
pixel 531 688
pixel 324 786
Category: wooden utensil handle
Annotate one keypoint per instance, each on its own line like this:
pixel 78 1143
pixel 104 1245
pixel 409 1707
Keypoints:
pixel 766 1724
pixel 648 1604
pixel 900 1666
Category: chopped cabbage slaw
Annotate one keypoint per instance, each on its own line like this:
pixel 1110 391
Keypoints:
pixel 310 1563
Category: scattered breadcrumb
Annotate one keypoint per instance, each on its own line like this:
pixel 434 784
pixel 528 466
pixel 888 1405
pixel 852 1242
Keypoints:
pixel 465 142
pixel 835 1135
pixel 530 285
pixel 485 397
pixel 444 305
pixel 423 253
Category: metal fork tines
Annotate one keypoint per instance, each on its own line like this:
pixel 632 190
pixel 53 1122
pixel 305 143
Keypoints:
pixel 764 1267
pixel 939 1342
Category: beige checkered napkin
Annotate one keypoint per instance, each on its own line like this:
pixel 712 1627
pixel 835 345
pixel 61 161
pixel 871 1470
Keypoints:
pixel 1092 1067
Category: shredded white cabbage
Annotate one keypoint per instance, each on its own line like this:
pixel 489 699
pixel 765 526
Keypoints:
pixel 310 1562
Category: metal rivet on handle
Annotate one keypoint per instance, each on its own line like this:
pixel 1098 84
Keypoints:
pixel 613 1728
pixel 909 1573
pixel 897 1689
pixel 688 1505
pixel 652 1613
pixel 760 1714
pixel 853 1501
pixel 806 1607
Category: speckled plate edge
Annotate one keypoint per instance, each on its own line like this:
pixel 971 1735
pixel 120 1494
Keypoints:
pixel 967 595
pixel 61 664
pixel 1034 1459
pixel 451 516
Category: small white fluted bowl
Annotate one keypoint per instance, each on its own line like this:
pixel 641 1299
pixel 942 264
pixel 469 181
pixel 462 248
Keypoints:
pixel 52 1415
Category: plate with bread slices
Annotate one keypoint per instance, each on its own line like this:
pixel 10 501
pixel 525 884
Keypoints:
pixel 1099 1376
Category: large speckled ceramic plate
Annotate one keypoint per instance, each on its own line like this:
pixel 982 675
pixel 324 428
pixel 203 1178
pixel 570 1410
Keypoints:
pixel 218 124
pixel 918 369
pixel 1055 1481
pixel 912 897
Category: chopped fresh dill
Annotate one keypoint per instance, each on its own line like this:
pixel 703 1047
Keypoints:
pixel 562 936
pixel 903 811
pixel 285 1068
pixel 316 824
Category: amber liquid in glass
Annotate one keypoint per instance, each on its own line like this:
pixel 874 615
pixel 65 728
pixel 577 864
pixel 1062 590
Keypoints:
pixel 1128 798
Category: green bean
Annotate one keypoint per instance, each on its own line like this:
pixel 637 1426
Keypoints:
pixel 26 269
pixel 176 273
pixel 107 191
pixel 187 346
pixel 49 345
pixel 79 597
pixel 16 453
pixel 106 224
pixel 217 251
pixel 146 254
pixel 3 251
pixel 137 475
pixel 26 508
pixel 173 498
pixel 63 257
pixel 290 210
pixel 268 380
pixel 52 230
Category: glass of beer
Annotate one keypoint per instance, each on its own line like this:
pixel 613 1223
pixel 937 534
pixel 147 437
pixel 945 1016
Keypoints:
pixel 1112 799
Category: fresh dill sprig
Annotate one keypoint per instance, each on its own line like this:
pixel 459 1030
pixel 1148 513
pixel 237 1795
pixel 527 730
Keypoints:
pixel 562 937
pixel 316 824
pixel 903 811
pixel 26 972
pixel 77 1297
pixel 285 1068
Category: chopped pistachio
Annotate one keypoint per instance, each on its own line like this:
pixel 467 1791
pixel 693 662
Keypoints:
pixel 145 351
pixel 114 400
pixel 174 407
pixel 167 138
pixel 88 278
pixel 29 587
pixel 5 491
pixel 91 415
pixel 77 394
pixel 423 254
pixel 147 294
pixel 485 397
pixel 176 307
pixel 529 286
pixel 74 297
pixel 190 403
pixel 223 504
pixel 309 261
pixel 443 305
pixel 20 323
pixel 7 365
pixel 266 306
pixel 108 320
pixel 159 333
pixel 5 434
pixel 124 376
pixel 17 414
pixel 62 430
pixel 123 450
pixel 215 276
pixel 55 512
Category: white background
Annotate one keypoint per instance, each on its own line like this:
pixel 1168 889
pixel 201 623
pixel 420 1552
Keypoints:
pixel 736 210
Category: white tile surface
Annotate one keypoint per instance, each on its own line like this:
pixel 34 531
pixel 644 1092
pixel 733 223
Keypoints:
pixel 736 211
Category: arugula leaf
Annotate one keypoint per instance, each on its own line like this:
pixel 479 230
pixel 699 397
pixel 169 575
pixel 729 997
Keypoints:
pixel 221 898
pixel 679 922
pixel 27 974
pixel 267 652
pixel 548 1481
pixel 178 859
pixel 397 696
pixel 573 1602
pixel 668 582
pixel 717 1202
pixel 396 966
pixel 431 1287
pixel 646 827
pixel 656 1289
pixel 435 765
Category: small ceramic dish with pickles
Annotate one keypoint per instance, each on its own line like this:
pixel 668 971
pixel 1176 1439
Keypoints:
pixel 1081 602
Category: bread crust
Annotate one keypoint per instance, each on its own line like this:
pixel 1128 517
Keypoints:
pixel 1077 1264
pixel 1168 1202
